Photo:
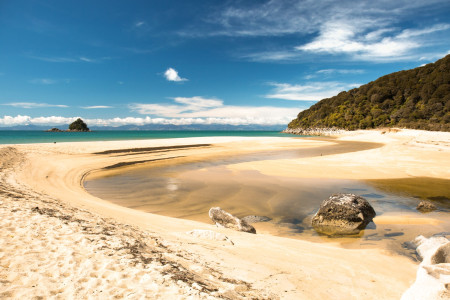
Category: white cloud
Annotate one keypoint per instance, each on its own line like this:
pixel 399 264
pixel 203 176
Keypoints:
pixel 34 105
pixel 85 59
pixel 96 106
pixel 26 120
pixel 364 30
pixel 268 56
pixel 343 38
pixel 139 24
pixel 196 102
pixel 408 33
pixel 289 17
pixel 172 75
pixel 359 40
pixel 285 116
pixel 340 71
pixel 213 110
pixel 188 105
pixel 55 59
pixel 313 91
pixel 61 59
pixel 44 81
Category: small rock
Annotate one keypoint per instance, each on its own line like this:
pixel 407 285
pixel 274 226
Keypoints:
pixel 426 206
pixel 343 214
pixel 225 219
pixel 256 219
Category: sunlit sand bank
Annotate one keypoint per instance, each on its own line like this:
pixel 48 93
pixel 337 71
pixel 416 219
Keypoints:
pixel 94 247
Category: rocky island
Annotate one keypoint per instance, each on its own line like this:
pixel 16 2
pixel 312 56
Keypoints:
pixel 77 126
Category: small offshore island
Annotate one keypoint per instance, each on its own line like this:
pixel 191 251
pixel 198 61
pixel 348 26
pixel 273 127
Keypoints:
pixel 77 126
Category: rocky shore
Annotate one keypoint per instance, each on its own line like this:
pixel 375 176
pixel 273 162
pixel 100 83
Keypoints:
pixel 315 131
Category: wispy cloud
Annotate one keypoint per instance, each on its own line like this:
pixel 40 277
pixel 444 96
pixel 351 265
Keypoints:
pixel 363 30
pixel 357 40
pixel 48 81
pixel 213 110
pixel 312 91
pixel 340 71
pixel 34 105
pixel 139 24
pixel 85 59
pixel 287 17
pixel 136 50
pixel 74 59
pixel 172 75
pixel 96 107
pixel 327 73
pixel 44 81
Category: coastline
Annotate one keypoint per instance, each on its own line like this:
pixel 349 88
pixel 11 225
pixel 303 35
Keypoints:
pixel 52 174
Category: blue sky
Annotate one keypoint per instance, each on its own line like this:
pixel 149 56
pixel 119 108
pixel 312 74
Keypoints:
pixel 202 62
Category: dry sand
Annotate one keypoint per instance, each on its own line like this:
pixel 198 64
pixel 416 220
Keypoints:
pixel 58 241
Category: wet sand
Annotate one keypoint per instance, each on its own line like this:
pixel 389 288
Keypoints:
pixel 260 266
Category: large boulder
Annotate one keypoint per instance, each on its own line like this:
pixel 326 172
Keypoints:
pixel 225 219
pixel 433 274
pixel 343 214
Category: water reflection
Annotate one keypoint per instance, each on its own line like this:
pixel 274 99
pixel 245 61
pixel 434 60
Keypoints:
pixel 190 190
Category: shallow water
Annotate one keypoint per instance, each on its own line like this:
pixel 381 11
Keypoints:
pixel 189 190
pixel 36 136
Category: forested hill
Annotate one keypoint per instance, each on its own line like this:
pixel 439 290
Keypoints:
pixel 417 98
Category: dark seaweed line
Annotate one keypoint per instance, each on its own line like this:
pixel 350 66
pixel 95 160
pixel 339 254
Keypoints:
pixel 130 163
pixel 150 149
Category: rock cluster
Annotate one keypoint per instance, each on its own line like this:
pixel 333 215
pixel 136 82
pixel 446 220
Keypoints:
pixel 314 131
pixel 433 275
pixel 54 129
pixel 426 206
pixel 343 214
pixel 225 219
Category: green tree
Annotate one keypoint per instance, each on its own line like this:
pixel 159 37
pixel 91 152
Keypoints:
pixel 78 125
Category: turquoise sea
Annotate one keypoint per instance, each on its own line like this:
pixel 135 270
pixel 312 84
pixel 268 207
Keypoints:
pixel 30 137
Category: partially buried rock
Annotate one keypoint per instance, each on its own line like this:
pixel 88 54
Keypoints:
pixel 343 214
pixel 426 206
pixel 225 219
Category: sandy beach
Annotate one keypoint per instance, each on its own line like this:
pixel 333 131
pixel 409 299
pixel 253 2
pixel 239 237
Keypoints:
pixel 58 241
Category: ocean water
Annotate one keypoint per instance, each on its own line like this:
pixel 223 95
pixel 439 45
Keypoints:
pixel 31 137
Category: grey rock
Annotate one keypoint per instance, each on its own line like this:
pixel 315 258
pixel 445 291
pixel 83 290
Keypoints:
pixel 225 219
pixel 426 206
pixel 256 219
pixel 343 214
